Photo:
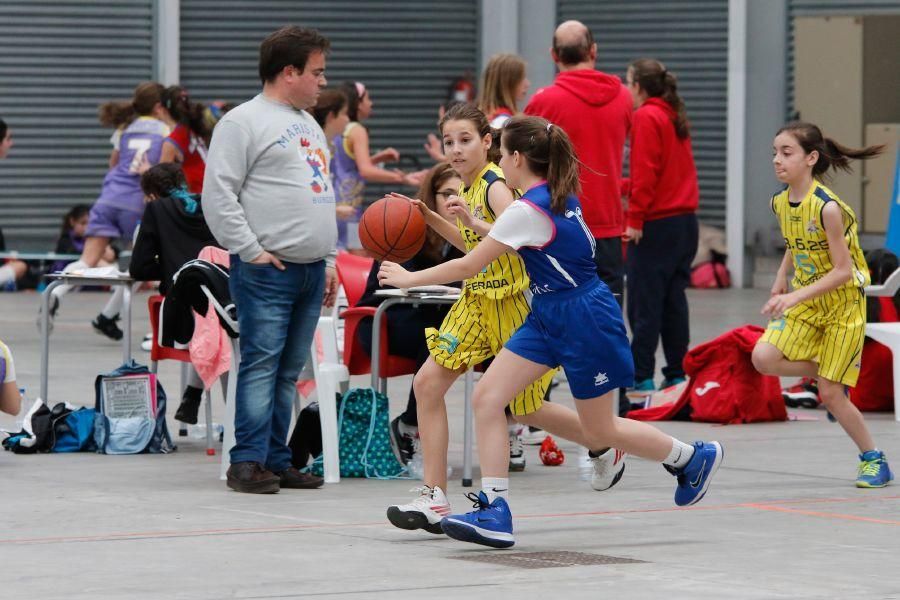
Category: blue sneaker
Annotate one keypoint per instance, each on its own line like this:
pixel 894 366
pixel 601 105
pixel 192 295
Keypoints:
pixel 694 478
pixel 490 524
pixel 874 471
pixel 667 383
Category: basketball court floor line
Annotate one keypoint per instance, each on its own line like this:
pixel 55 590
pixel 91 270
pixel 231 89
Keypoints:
pixel 776 506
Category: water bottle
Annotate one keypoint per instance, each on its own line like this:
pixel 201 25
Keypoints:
pixel 416 467
pixel 198 431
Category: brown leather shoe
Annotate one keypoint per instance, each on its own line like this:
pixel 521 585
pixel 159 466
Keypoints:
pixel 252 478
pixel 294 479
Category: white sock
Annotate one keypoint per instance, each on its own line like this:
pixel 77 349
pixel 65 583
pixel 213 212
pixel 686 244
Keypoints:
pixel 114 305
pixel 7 273
pixel 680 455
pixel 495 487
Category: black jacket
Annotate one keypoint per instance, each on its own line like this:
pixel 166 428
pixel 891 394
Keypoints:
pixel 168 237
pixel 195 286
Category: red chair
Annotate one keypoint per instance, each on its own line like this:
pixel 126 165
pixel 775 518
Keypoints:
pixel 353 272
pixel 158 353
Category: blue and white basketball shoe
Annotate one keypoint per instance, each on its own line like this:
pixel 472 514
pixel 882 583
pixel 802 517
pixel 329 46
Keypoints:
pixel 694 477
pixel 490 524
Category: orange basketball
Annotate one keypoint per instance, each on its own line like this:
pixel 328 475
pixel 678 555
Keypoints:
pixel 392 229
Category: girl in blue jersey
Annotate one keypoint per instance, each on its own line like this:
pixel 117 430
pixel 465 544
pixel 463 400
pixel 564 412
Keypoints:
pixel 575 323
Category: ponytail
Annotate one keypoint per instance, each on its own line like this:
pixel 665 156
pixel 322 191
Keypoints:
pixel 548 153
pixel 116 114
pixel 657 82
pixel 832 155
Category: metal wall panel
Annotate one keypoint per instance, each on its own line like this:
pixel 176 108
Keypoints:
pixel 58 61
pixel 691 38
pixel 405 51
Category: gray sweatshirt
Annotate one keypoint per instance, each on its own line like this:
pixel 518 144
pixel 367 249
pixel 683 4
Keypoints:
pixel 267 184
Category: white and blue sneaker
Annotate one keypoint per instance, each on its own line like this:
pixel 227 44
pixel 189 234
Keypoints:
pixel 490 524
pixel 694 477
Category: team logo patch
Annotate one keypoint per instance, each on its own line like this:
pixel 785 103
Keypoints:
pixel 811 227
pixel 601 379
pixel 448 343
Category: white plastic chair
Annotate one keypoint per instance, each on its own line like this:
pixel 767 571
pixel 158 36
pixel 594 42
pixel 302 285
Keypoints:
pixel 888 333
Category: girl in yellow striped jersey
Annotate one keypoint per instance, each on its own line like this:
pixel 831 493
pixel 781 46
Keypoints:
pixel 817 330
pixel 493 304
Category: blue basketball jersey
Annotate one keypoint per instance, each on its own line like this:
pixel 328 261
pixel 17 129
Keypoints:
pixel 566 262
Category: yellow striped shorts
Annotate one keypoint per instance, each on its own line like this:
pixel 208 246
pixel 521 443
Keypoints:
pixel 829 330
pixel 475 329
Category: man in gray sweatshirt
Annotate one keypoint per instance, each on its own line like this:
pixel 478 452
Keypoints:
pixel 268 199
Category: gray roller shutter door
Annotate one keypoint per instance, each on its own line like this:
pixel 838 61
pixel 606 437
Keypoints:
pixel 406 52
pixel 691 38
pixel 822 8
pixel 58 61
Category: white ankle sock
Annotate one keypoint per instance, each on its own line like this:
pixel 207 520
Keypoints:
pixel 680 455
pixel 6 274
pixel 114 305
pixel 495 487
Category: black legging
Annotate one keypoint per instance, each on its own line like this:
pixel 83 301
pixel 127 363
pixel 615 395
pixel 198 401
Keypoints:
pixel 406 337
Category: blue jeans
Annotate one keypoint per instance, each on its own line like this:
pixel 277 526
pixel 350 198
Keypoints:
pixel 277 313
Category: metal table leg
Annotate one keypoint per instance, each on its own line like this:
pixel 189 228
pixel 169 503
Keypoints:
pixel 467 430
pixel 45 335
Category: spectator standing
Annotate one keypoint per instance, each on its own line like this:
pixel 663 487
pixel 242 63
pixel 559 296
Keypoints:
pixel 594 109
pixel 268 201
pixel 661 223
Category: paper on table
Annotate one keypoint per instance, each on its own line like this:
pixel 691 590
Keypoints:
pixel 110 271
pixel 434 289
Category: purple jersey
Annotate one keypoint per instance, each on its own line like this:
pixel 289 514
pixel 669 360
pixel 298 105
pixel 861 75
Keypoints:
pixel 122 184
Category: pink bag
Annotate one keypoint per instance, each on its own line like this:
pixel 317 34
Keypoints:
pixel 712 274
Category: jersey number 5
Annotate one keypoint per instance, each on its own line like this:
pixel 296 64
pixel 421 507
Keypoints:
pixel 805 264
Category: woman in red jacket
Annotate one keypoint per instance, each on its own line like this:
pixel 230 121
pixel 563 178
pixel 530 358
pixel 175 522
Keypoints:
pixel 661 223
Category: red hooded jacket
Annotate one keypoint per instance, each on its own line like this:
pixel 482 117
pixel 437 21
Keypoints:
pixel 663 177
pixel 594 109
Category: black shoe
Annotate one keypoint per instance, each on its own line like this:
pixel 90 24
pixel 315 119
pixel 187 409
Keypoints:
pixel 106 326
pixel 190 405
pixel 297 480
pixel 252 478
pixel 402 443
pixel 54 308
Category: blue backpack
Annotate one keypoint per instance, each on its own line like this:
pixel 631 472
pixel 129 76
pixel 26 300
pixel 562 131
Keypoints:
pixel 131 435
pixel 363 438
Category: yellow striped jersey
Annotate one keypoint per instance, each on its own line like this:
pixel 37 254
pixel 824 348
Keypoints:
pixel 804 235
pixel 506 275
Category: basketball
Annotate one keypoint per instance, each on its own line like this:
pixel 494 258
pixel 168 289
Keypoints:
pixel 392 229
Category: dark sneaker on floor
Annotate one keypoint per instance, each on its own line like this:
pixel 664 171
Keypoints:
pixel 54 308
pixel 190 405
pixel 297 480
pixel 403 440
pixel 516 451
pixel 803 394
pixel 694 478
pixel 106 326
pixel 252 478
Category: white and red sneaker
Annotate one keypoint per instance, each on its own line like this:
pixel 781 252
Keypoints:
pixel 608 469
pixel 803 394
pixel 425 512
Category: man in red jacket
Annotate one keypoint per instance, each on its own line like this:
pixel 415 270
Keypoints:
pixel 594 109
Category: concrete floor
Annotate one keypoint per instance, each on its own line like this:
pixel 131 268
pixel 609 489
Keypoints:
pixel 781 520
